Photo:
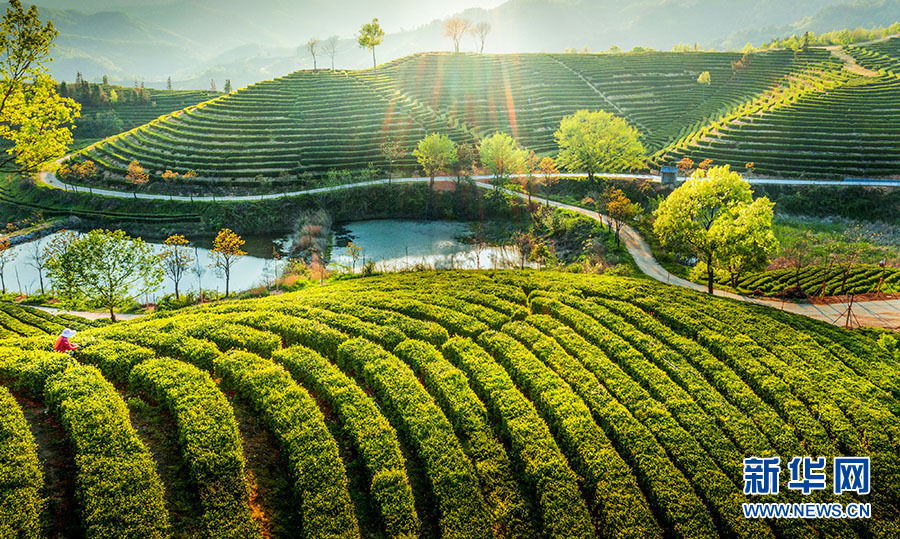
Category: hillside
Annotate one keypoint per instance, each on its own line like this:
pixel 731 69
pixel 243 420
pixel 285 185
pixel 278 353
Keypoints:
pixel 792 114
pixel 451 404
pixel 192 41
pixel 99 120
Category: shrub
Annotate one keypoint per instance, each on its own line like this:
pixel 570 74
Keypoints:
pixel 209 439
pixel 21 477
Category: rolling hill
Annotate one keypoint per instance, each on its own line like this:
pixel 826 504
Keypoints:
pixel 499 404
pixel 791 114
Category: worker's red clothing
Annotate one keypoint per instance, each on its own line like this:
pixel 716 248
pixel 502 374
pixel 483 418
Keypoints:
pixel 63 345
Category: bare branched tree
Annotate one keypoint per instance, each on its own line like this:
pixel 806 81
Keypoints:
pixel 330 48
pixel 312 46
pixel 480 32
pixel 455 29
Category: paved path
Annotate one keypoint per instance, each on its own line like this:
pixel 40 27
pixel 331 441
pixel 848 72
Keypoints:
pixel 884 314
pixel 49 178
pixel 90 315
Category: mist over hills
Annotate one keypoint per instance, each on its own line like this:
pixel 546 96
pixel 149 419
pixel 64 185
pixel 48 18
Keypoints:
pixel 195 41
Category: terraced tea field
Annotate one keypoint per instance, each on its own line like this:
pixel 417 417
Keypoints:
pixel 863 279
pixel 23 321
pixel 792 114
pixel 450 404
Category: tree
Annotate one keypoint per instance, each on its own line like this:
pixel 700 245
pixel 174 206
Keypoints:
pixel 37 259
pixel 392 151
pixel 370 36
pixel 168 176
pixel 435 153
pixel 620 209
pixel 746 240
pixel 547 168
pixel 702 214
pixel 177 259
pixel 228 88
pixel 6 256
pixel 703 167
pixel 169 83
pixel 330 48
pixel 312 46
pixel 540 253
pixel 480 32
pixel 799 250
pixel 455 29
pixel 103 267
pixel 113 96
pixel 595 142
pixel 501 155
pixel 354 252
pixel 137 176
pixel 465 161
pixel 686 166
pixel 34 119
pixel 226 251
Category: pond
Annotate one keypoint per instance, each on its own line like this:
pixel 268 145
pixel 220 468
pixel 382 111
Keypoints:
pixel 394 245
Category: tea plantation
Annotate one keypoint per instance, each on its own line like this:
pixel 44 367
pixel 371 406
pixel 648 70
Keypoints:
pixel 449 404
pixel 790 113
pixel 814 280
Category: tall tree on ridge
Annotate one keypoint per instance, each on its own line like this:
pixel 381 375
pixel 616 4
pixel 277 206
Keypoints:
pixel 312 47
pixel 330 48
pixel 480 32
pixel 370 36
pixel 455 29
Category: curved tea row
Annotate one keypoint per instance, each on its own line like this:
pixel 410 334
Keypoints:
pixel 460 404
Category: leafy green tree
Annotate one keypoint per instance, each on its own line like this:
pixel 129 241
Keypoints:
pixel 502 156
pixel 34 119
pixel 177 259
pixel 595 142
pixel 370 36
pixel 747 240
pixel 435 153
pixel 705 213
pixel 226 252
pixel 103 267
pixel 228 88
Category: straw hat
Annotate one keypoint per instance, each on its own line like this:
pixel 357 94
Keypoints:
pixel 69 333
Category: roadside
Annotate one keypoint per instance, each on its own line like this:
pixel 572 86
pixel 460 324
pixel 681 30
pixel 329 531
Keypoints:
pixel 88 314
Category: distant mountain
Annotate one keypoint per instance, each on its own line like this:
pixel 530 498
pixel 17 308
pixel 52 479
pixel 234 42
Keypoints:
pixel 856 14
pixel 193 41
